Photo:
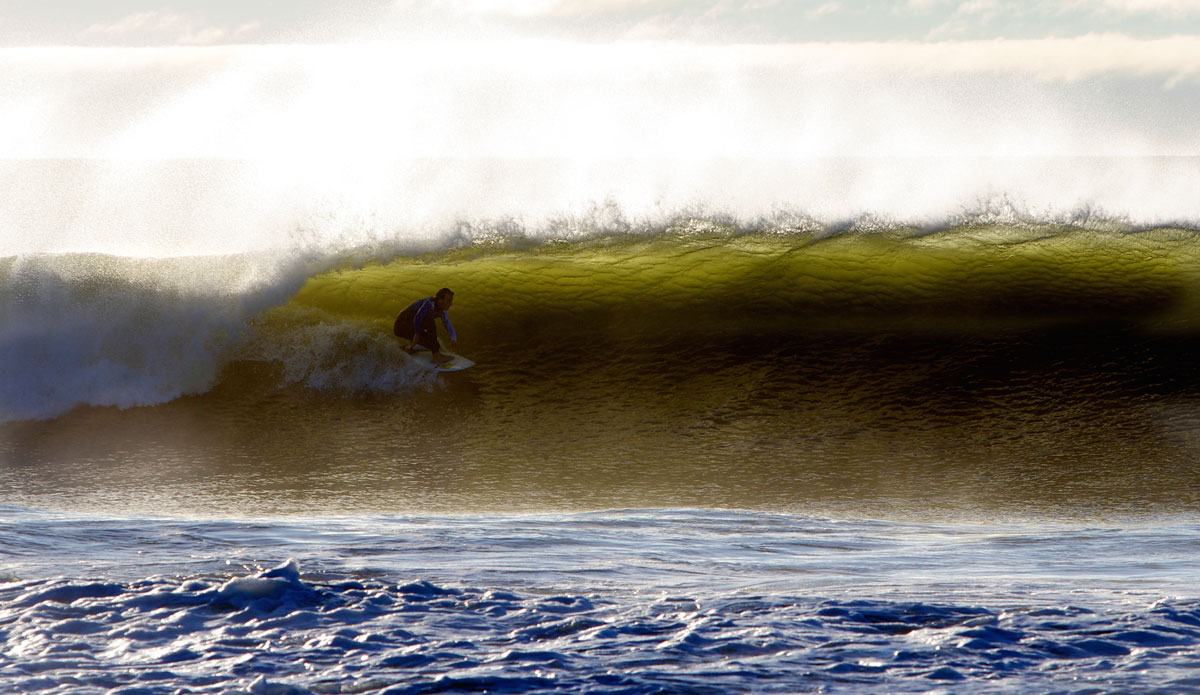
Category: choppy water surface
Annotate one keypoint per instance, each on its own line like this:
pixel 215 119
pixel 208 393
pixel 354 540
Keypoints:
pixel 616 602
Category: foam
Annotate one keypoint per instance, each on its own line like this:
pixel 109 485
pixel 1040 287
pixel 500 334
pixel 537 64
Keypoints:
pixel 103 330
pixel 277 632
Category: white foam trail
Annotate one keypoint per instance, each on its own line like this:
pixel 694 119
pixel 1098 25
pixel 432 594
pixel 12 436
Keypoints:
pixel 98 330
pixel 339 357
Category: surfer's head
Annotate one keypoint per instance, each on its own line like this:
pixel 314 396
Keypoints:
pixel 444 298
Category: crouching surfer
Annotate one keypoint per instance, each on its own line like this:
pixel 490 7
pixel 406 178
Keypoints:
pixel 416 323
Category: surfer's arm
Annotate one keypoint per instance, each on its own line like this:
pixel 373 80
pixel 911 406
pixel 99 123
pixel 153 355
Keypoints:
pixel 449 326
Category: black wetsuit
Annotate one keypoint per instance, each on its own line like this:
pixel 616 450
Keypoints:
pixel 416 323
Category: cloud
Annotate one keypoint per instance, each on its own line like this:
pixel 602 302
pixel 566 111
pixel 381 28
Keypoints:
pixel 978 7
pixel 169 28
pixel 1121 7
pixel 631 10
pixel 535 8
pixel 967 16
pixel 1173 8
pixel 1071 60
pixel 826 9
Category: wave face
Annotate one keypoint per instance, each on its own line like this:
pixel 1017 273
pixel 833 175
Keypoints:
pixel 101 330
pixel 810 357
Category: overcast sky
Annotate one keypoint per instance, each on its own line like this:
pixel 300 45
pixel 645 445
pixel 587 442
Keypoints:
pixel 598 78
pixel 350 99
pixel 150 22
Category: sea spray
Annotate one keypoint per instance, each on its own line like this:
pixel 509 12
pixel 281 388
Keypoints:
pixel 103 330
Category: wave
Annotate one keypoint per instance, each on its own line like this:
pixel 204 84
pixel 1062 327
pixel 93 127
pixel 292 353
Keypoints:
pixel 102 330
pixel 82 329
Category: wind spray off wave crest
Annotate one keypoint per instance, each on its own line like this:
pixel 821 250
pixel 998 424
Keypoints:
pixel 228 149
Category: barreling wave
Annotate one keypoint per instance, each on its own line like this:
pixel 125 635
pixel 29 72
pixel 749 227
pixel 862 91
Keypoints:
pixel 99 330
pixel 709 273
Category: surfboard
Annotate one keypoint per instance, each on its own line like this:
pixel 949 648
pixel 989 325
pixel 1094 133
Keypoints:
pixel 456 364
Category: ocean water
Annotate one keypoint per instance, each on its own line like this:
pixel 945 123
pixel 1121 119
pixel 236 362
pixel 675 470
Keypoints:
pixel 689 601
pixel 701 452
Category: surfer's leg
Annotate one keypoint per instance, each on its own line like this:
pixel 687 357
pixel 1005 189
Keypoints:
pixel 403 327
pixel 426 338
pixel 404 331
pixel 410 345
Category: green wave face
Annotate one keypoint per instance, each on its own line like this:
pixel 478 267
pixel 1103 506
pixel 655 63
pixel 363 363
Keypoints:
pixel 637 289
pixel 993 366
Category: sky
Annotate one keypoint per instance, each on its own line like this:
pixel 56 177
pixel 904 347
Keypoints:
pixel 143 23
pixel 584 78
pixel 332 99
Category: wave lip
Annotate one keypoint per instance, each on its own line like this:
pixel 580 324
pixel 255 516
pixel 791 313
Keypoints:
pixel 717 271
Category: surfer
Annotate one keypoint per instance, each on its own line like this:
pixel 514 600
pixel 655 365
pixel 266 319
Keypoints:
pixel 416 323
